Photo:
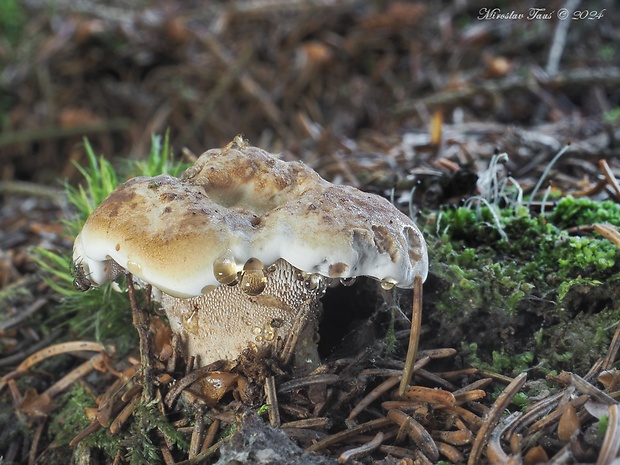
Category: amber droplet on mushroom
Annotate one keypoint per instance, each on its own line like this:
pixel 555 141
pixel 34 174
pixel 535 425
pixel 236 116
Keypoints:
pixel 347 281
pixel 191 320
pixel 387 284
pixel 134 268
pixel 225 268
pixel 313 281
pixel 208 288
pixel 253 279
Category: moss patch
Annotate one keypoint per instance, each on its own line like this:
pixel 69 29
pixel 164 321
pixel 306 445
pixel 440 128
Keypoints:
pixel 499 276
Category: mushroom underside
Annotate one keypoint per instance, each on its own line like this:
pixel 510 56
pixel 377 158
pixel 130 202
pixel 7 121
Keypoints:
pixel 226 321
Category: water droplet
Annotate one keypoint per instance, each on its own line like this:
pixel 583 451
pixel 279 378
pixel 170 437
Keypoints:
pixel 253 279
pixel 268 333
pixel 347 281
pixel 225 268
pixel 387 284
pixel 207 289
pixel 134 268
pixel 313 281
pixel 332 282
pixel 190 321
pixel 253 264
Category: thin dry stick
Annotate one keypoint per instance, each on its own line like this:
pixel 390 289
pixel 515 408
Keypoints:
pixel 469 396
pixel 325 378
pixel 318 422
pixel 534 413
pixel 435 397
pixel 609 176
pixel 106 401
pixel 210 436
pixel 362 450
pixel 588 388
pixel 203 456
pixel 195 443
pixel 414 336
pixel 166 454
pixel 460 437
pixel 131 392
pixel 342 435
pixel 478 384
pixel 141 323
pixel 612 352
pixel 403 432
pixel 559 38
pixel 473 421
pixel 416 432
pixel 450 452
pixel 495 453
pixel 608 232
pixel 32 455
pixel 611 442
pixel 248 84
pixel 272 399
pixel 24 314
pixel 57 349
pixel 372 396
pixel 124 415
pixel 301 319
pixel 493 416
pixel 94 426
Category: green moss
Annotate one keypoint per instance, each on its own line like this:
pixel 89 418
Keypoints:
pixel 70 418
pixel 139 438
pixel 12 21
pixel 603 423
pixel 147 424
pixel 500 270
pixel 502 362
pixel 572 211
pixel 505 363
pixel 521 400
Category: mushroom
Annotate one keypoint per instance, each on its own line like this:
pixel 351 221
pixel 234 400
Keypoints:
pixel 243 245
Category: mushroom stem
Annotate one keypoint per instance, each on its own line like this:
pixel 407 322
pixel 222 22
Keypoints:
pixel 414 335
pixel 141 322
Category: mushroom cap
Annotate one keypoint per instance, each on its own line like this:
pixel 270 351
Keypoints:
pixel 239 203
